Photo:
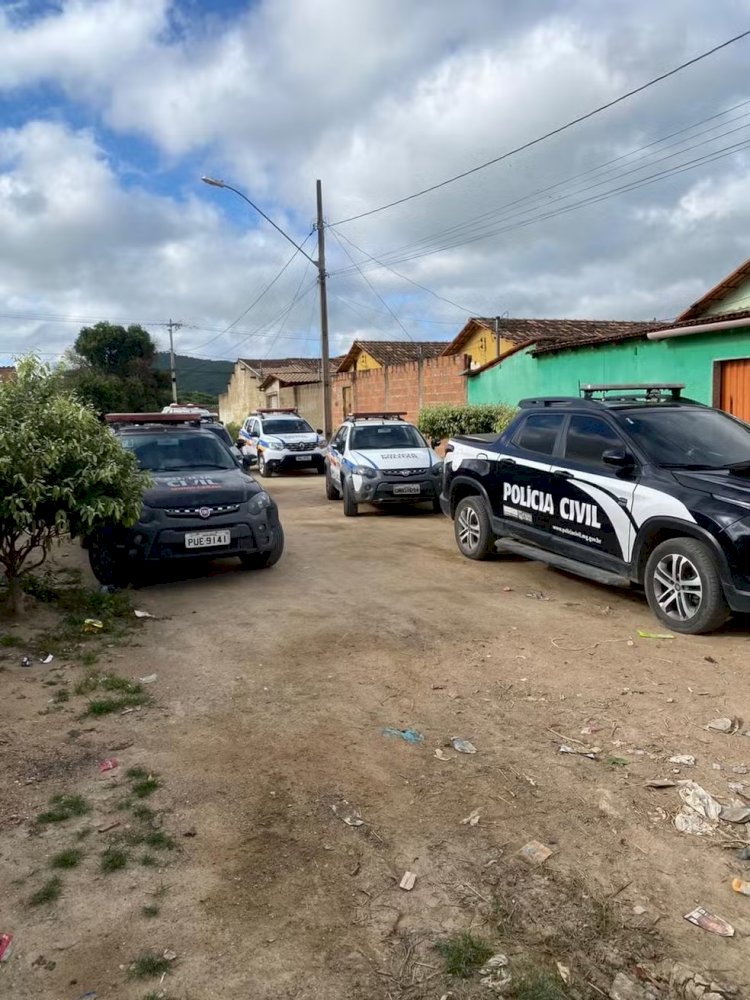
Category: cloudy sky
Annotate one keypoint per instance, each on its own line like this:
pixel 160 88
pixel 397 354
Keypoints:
pixel 111 110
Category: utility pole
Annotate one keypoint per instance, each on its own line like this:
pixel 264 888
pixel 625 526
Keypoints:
pixel 326 373
pixel 173 370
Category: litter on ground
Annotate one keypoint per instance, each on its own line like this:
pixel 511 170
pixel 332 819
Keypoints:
pixel 741 886
pixel 582 751
pixel 407 881
pixel 46 659
pixel 463 746
pixel 472 819
pixel 442 755
pixel 495 974
pixel 684 759
pixel 6 946
pixel 644 634
pixel 725 725
pixel 149 679
pixel 535 852
pixel 407 735
pixel 92 625
pixel 143 614
pixel 702 917
pixel 700 811
pixel 347 814
pixel 109 764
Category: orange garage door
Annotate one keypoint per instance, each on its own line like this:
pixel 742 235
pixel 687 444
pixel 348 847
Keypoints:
pixel 735 387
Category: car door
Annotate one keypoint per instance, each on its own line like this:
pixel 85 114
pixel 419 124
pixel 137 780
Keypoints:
pixel 519 482
pixel 593 499
pixel 336 453
pixel 253 436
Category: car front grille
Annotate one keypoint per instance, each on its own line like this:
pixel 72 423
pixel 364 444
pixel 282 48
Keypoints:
pixel 300 446
pixel 405 472
pixel 214 509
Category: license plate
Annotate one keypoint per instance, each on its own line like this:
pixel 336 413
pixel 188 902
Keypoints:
pixel 408 489
pixel 206 539
pixel 302 458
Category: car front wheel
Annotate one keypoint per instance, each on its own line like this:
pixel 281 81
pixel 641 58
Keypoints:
pixel 350 504
pixel 107 564
pixel 474 535
pixel 264 560
pixel 683 587
pixel 263 468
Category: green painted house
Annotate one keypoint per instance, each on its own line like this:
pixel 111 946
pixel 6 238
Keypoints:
pixel 707 347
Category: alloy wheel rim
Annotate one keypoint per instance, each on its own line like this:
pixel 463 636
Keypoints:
pixel 469 528
pixel 678 587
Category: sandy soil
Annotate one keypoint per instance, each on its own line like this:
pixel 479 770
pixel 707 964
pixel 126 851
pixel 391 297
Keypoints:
pixel 272 693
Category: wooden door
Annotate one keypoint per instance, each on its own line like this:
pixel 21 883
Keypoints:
pixel 735 388
pixel 346 399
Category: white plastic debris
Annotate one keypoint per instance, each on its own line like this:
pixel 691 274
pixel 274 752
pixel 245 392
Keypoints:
pixel 700 812
pixel 149 679
pixel 347 814
pixel 684 759
pixel 407 881
pixel 143 614
pixel 472 819
pixel 495 974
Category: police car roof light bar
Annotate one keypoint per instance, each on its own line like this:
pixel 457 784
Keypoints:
pixel 375 415
pixel 649 389
pixel 278 409
pixel 152 418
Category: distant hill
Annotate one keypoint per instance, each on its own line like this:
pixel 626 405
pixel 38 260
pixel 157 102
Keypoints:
pixel 197 374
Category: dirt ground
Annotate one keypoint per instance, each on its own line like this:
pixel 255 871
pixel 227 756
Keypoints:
pixel 273 689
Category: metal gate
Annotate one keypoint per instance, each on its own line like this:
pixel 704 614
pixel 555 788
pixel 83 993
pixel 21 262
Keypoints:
pixel 735 388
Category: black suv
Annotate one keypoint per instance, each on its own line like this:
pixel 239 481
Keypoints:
pixel 201 504
pixel 630 485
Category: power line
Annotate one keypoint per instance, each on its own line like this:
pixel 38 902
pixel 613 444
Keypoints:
pixel 547 135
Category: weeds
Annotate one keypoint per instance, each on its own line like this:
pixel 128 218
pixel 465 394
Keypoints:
pixel 49 892
pixel 64 807
pixel 150 910
pixel 10 640
pixel 149 861
pixel 70 858
pixel 148 965
pixel 463 954
pixel 159 840
pixel 142 789
pixel 123 693
pixel 142 812
pixel 113 859
pixel 537 985
pixel 61 696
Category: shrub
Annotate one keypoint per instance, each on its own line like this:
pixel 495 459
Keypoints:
pixel 439 422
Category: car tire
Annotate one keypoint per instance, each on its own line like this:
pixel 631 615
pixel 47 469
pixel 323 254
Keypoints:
pixel 264 560
pixel 109 566
pixel 263 468
pixel 350 504
pixel 331 492
pixel 473 530
pixel 683 587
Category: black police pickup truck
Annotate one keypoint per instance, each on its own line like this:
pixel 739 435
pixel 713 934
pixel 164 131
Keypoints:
pixel 201 503
pixel 630 485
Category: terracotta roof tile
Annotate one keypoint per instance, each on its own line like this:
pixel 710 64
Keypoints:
pixel 393 352
pixel 697 309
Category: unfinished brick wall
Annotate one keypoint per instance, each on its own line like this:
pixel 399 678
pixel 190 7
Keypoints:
pixel 401 388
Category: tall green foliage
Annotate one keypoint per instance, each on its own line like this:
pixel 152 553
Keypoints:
pixel 439 422
pixel 61 471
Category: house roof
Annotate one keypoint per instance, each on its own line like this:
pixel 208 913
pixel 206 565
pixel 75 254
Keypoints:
pixel 392 352
pixel 291 378
pixel 262 365
pixel 523 332
pixel 590 333
pixel 742 273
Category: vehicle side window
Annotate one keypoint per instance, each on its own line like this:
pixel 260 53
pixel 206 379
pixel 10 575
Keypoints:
pixel 340 438
pixel 539 432
pixel 255 428
pixel 588 438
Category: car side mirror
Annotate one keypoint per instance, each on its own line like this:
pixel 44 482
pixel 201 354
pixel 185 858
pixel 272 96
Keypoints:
pixel 319 432
pixel 619 457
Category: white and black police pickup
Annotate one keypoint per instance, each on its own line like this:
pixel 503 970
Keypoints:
pixel 630 485
pixel 279 439
pixel 380 458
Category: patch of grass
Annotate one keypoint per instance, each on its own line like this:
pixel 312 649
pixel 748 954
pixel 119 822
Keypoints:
pixel 107 706
pixel 150 910
pixel 82 834
pixel 464 954
pixel 64 807
pixel 148 965
pixel 537 985
pixel 69 858
pixel 149 861
pixel 136 773
pixel 113 860
pixel 142 789
pixel 89 657
pixel 143 812
pixel 10 640
pixel 161 891
pixel 159 840
pixel 48 893
pixel 60 696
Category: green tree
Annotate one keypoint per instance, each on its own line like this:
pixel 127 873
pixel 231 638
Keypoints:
pixel 113 369
pixel 61 472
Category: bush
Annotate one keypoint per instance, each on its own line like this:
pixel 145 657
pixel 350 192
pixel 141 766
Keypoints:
pixel 439 422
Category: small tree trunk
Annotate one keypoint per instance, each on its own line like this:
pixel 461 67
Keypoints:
pixel 15 595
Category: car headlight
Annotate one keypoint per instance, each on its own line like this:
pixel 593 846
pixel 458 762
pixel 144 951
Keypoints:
pixel 365 470
pixel 258 502
pixel 276 445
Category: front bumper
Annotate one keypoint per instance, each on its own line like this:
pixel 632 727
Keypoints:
pixel 383 490
pixel 286 460
pixel 162 538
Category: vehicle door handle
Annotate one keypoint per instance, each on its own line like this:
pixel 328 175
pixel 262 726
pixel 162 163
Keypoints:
pixel 562 474
pixel 507 461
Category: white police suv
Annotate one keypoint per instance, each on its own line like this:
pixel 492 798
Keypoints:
pixel 279 439
pixel 380 458
pixel 631 485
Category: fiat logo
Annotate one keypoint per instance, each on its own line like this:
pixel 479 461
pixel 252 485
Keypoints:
pixel 204 512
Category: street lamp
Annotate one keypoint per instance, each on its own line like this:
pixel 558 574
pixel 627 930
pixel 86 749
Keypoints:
pixel 321 268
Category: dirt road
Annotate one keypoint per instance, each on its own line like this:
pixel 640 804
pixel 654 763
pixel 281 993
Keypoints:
pixel 272 694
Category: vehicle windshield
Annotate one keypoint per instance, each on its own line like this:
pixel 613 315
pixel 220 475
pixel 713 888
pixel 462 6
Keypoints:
pixel 178 452
pixel 690 438
pixel 287 426
pixel 378 436
pixel 221 433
